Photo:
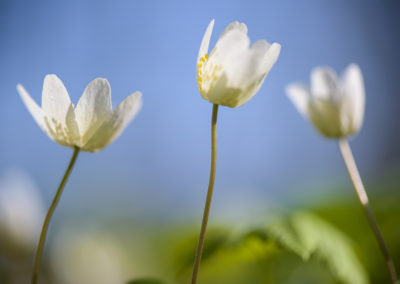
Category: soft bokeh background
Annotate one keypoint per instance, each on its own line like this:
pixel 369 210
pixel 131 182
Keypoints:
pixel 269 159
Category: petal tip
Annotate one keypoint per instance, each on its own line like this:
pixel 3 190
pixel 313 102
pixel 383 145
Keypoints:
pixel 354 67
pixel 138 97
pixel 236 25
pixel 51 76
pixel 138 93
pixel 276 45
pixel 101 79
pixel 19 87
pixel 210 26
pixel 21 91
pixel 275 48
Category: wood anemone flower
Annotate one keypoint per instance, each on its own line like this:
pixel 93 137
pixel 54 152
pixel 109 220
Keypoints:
pixel 334 105
pixel 234 71
pixel 92 125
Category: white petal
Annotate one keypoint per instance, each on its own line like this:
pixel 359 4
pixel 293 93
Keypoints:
pixel 55 98
pixel 263 68
pixel 324 83
pixel 225 53
pixel 251 67
pixel 326 117
pixel 240 81
pixel 56 106
pixel 93 108
pixel 229 47
pixel 353 85
pixel 112 127
pixel 221 94
pixel 261 57
pixel 72 126
pixel 249 92
pixel 242 70
pixel 234 26
pixel 260 47
pixel 270 57
pixel 33 108
pixel 300 96
pixel 245 72
pixel 205 41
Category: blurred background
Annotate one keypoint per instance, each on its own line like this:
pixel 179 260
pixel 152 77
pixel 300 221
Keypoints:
pixel 152 180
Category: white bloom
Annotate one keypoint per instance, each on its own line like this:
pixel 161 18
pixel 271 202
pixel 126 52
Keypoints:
pixel 334 105
pixel 92 125
pixel 234 71
pixel 81 257
pixel 21 210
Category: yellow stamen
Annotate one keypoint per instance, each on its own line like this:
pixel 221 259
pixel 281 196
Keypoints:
pixel 200 66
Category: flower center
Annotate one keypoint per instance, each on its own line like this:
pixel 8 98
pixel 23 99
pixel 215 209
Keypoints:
pixel 200 71
pixel 208 73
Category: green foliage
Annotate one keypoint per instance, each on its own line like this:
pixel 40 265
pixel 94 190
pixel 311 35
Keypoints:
pixel 301 248
pixel 309 236
pixel 349 217
pixel 146 281
pixel 185 249
pixel 331 245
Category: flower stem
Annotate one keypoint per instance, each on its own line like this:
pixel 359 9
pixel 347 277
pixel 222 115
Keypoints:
pixel 362 196
pixel 49 214
pixel 202 236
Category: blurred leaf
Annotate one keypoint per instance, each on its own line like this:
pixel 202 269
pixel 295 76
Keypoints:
pixel 306 246
pixel 146 281
pixel 311 237
pixel 348 215
pixel 185 250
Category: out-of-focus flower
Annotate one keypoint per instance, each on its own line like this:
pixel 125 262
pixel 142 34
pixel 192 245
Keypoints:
pixel 80 257
pixel 21 210
pixel 92 125
pixel 334 105
pixel 234 71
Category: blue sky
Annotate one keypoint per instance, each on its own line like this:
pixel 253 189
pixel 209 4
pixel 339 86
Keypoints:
pixel 267 152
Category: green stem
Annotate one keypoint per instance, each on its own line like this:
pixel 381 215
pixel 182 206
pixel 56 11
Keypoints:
pixel 49 214
pixel 362 196
pixel 202 236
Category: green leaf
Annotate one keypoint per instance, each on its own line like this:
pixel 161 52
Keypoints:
pixel 184 251
pixel 146 281
pixel 311 237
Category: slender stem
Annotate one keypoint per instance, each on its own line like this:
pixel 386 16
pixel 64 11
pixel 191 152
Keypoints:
pixel 49 214
pixel 362 196
pixel 202 236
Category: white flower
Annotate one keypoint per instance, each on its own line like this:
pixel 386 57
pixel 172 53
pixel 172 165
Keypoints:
pixel 234 71
pixel 334 105
pixel 81 256
pixel 21 210
pixel 92 125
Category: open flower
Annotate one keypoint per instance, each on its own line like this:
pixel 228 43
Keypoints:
pixel 334 105
pixel 234 71
pixel 90 126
